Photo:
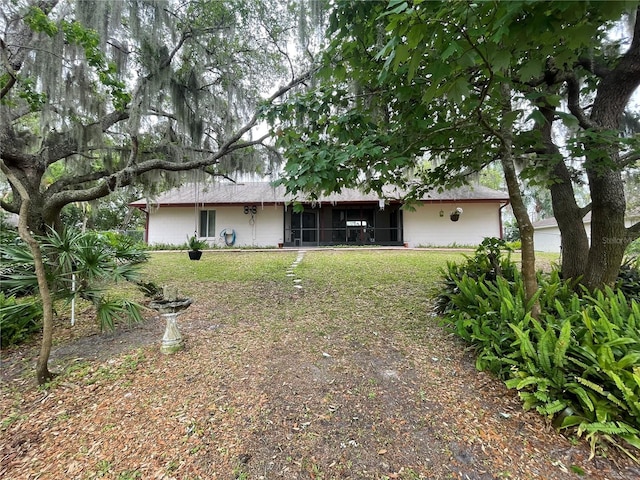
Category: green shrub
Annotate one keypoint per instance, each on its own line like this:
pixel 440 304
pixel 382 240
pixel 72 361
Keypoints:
pixel 633 249
pixel 18 321
pixel 579 362
pixel 77 265
pixel 491 259
pixel 515 245
pixel 629 278
pixel 585 365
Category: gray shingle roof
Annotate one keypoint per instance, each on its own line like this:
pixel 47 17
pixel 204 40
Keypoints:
pixel 631 215
pixel 266 193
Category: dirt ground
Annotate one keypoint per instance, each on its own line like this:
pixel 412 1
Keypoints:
pixel 251 398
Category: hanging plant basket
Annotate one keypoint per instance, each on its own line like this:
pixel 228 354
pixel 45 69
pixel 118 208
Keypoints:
pixel 195 254
pixel 455 215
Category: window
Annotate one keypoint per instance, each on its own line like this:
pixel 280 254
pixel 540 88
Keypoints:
pixel 207 223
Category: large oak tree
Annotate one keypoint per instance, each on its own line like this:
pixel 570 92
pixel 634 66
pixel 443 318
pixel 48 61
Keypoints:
pixel 97 95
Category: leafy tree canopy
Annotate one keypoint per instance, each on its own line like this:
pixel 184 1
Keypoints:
pixel 404 81
pixel 95 96
pixel 425 94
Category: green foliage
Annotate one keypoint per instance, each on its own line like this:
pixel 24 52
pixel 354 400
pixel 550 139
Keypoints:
pixel 39 22
pixel 514 245
pixel 109 213
pixel 28 93
pixel 77 34
pixel 491 259
pixel 577 362
pixel 77 265
pixel 399 79
pixel 195 244
pixel 634 248
pixel 17 274
pixel 629 278
pixel 18 320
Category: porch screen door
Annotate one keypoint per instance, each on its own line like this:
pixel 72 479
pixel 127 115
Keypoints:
pixel 304 227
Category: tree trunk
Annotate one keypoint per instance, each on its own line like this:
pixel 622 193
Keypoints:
pixel 574 242
pixel 519 209
pixel 526 232
pixel 609 237
pixel 42 367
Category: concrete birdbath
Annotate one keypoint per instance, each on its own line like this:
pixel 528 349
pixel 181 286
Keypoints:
pixel 169 307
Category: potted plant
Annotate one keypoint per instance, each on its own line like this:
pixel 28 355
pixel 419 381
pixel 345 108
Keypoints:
pixel 195 247
pixel 455 215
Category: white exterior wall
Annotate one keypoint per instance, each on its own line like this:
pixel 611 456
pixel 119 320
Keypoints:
pixel 425 227
pixel 547 239
pixel 266 230
pixel 172 225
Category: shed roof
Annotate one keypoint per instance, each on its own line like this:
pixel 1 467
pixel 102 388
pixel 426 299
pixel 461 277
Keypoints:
pixel 267 193
pixel 632 215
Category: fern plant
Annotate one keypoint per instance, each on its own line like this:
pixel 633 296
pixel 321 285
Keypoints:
pixel 490 261
pixel 578 362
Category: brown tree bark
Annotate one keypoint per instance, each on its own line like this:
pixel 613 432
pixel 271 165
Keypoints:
pixel 609 236
pixel 42 367
pixel 574 242
pixel 519 208
pixel 526 230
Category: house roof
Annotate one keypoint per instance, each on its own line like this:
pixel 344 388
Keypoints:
pixel 266 193
pixel 550 222
pixel 632 215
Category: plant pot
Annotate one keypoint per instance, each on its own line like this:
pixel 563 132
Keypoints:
pixel 280 245
pixel 454 217
pixel 195 254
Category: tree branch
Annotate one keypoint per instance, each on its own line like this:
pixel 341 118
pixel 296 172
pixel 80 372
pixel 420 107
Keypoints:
pixel 634 231
pixel 127 175
pixel 586 209
pixel 573 102
pixel 628 159
pixel 65 144
pixel 12 75
pixel 216 174
pixel 597 68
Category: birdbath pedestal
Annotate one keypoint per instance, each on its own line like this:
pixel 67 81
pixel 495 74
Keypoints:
pixel 169 307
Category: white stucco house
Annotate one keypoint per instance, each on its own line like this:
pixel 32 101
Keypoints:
pixel 261 215
pixel 546 234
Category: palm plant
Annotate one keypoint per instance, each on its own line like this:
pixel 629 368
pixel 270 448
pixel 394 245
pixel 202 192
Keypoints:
pixel 78 265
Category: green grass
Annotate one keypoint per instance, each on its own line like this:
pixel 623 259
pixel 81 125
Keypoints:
pixel 217 266
pixel 348 274
pixel 342 290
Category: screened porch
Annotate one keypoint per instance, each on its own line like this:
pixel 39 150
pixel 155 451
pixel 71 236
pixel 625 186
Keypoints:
pixel 361 224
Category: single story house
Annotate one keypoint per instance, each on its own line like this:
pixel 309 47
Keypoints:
pixel 261 215
pixel 546 234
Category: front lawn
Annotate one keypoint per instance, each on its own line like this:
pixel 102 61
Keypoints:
pixel 337 370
